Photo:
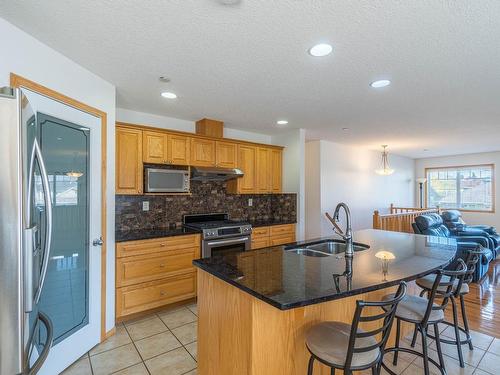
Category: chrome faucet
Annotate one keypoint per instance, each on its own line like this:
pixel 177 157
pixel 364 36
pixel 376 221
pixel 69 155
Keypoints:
pixel 347 235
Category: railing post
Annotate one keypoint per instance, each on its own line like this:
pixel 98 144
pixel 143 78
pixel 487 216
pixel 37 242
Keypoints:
pixel 376 220
pixel 392 208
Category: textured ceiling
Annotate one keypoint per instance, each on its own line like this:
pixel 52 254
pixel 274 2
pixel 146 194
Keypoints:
pixel 247 64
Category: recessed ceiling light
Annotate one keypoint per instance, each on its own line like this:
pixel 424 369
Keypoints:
pixel 282 122
pixel 380 83
pixel 320 50
pixel 345 129
pixel 164 79
pixel 168 95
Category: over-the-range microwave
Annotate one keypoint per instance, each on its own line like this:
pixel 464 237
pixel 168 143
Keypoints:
pixel 159 180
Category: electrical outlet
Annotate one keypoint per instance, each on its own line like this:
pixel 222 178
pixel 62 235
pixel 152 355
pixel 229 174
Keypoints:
pixel 250 202
pixel 145 206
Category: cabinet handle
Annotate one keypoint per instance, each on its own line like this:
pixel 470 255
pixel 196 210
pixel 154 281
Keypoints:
pixel 162 265
pixel 162 245
pixel 162 293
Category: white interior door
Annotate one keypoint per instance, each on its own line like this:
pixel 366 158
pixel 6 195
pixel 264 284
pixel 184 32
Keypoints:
pixel 71 147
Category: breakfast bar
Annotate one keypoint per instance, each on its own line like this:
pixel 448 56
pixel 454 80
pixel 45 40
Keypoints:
pixel 255 306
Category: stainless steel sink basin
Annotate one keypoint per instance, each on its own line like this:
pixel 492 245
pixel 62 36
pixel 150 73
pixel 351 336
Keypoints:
pixel 335 247
pixel 308 252
pixel 325 248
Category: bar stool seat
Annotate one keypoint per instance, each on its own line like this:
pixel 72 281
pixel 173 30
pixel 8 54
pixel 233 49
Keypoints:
pixel 426 282
pixel 329 341
pixel 413 308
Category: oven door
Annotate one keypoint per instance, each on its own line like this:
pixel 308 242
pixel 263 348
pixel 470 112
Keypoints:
pixel 214 247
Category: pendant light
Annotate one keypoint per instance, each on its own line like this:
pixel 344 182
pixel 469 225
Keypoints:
pixel 385 170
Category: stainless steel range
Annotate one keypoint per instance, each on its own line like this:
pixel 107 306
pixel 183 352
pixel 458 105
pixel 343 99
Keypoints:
pixel 219 234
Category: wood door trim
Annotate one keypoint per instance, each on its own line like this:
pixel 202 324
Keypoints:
pixel 18 81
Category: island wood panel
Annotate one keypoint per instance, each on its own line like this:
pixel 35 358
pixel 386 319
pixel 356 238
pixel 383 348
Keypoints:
pixel 240 334
pixel 128 162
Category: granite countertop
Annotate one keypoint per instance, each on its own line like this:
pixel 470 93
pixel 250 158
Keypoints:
pixel 145 234
pixel 287 280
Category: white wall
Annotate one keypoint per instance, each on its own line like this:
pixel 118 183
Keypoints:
pixel 469 159
pixel 164 122
pixel 27 57
pixel 346 174
pixel 294 171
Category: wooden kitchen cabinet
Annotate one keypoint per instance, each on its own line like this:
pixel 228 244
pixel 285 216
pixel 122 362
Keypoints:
pixel 263 170
pixel 156 272
pixel 226 154
pixel 273 235
pixel 276 170
pixel 155 145
pixel 247 163
pixel 202 152
pixel 128 163
pixel 178 149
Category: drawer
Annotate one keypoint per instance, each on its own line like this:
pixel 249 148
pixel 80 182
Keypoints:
pixel 142 297
pixel 141 268
pixel 260 242
pixel 156 245
pixel 282 239
pixel 282 229
pixel 260 232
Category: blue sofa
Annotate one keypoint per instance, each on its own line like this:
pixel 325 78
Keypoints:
pixel 432 225
pixel 454 222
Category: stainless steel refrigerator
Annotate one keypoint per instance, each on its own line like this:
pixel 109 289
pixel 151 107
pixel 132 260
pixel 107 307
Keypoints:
pixel 26 332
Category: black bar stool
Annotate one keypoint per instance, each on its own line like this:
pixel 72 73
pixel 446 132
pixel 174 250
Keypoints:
pixel 348 347
pixel 460 289
pixel 424 313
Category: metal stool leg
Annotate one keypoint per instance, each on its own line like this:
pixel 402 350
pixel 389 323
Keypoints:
pixel 310 366
pixel 457 332
pixel 466 322
pixel 423 331
pixel 438 345
pixel 398 333
pixel 414 339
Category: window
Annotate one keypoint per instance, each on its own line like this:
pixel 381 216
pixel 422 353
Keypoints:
pixel 465 188
pixel 64 190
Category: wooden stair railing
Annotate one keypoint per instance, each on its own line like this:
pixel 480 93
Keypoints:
pixel 400 219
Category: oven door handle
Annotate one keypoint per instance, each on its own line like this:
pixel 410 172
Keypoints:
pixel 228 242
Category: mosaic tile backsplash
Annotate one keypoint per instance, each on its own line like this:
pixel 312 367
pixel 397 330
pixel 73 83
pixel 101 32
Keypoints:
pixel 207 197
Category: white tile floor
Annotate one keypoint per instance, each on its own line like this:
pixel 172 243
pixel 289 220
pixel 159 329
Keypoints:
pixel 165 344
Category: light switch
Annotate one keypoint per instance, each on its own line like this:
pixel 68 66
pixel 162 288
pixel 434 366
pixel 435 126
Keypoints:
pixel 145 205
pixel 250 202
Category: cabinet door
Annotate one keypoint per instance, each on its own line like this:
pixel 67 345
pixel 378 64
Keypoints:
pixel 276 170
pixel 246 162
pixel 225 154
pixel 128 163
pixel 155 147
pixel 178 149
pixel 202 152
pixel 263 170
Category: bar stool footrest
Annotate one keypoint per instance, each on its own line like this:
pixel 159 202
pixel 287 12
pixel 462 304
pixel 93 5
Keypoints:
pixel 467 340
pixel 411 351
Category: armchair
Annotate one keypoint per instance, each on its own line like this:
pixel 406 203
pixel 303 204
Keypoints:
pixel 454 222
pixel 432 225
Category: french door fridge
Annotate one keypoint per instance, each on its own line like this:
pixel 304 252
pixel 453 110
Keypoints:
pixel 46 202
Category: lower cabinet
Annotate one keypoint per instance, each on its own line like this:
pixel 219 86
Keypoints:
pixel 273 235
pixel 153 273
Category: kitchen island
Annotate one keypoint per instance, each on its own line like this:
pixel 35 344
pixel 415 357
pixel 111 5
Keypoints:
pixel 254 307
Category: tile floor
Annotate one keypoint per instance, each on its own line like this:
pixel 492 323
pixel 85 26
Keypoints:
pixel 165 344
pixel 159 344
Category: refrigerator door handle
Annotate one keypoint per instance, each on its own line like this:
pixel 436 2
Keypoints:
pixel 48 214
pixel 29 241
pixel 46 348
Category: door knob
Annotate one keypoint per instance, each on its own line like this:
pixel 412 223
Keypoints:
pixel 98 242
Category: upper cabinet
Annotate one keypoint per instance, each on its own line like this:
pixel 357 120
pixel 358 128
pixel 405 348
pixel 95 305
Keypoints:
pixel 163 148
pixel 128 168
pixel 202 152
pixel 226 154
pixel 135 145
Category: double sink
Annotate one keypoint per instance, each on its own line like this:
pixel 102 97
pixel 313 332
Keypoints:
pixel 324 248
